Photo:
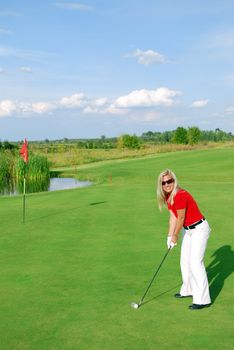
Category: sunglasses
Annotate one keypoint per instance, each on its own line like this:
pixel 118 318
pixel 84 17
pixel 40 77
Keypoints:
pixel 168 182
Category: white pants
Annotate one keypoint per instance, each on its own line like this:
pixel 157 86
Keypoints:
pixel 193 271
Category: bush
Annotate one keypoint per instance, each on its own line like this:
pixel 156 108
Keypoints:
pixel 181 136
pixel 128 141
pixel 194 135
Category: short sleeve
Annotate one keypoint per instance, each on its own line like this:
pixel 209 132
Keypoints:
pixel 180 200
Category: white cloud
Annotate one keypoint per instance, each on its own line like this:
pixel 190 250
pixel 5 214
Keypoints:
pixel 148 57
pixel 146 98
pixel 87 105
pixel 42 107
pixel 2 71
pixel 76 100
pixel 73 6
pixel 199 103
pixel 80 100
pixel 7 107
pixel 24 107
pixel 100 101
pixel 112 109
pixel 90 110
pixel 26 69
pixel 100 106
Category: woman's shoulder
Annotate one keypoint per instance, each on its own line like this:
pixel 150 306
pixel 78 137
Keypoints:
pixel 181 192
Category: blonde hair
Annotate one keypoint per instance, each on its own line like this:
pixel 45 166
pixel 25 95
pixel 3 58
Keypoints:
pixel 161 195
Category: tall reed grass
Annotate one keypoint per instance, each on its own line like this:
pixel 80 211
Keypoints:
pixel 12 167
pixel 37 168
pixel 7 166
pixel 13 170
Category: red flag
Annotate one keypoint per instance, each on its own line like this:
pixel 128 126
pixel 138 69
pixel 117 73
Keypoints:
pixel 24 151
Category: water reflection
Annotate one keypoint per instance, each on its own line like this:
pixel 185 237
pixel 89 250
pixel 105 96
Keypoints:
pixel 7 188
pixel 33 186
pixel 53 184
pixel 66 183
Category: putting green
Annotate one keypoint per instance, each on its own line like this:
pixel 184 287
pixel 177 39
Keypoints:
pixel 69 274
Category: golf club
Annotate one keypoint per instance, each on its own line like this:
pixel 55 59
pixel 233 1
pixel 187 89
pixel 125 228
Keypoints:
pixel 135 305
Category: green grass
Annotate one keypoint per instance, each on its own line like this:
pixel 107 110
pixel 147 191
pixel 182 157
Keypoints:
pixel 69 274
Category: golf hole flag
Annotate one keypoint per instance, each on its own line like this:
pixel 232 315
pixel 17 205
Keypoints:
pixel 24 155
pixel 24 151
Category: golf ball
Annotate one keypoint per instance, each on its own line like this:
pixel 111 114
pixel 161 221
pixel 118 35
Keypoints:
pixel 135 306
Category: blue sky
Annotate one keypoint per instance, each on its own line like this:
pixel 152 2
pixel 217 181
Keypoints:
pixel 82 69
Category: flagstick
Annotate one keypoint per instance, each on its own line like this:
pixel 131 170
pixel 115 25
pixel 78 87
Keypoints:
pixel 24 154
pixel 24 201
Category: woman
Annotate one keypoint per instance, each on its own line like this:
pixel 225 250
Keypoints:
pixel 185 214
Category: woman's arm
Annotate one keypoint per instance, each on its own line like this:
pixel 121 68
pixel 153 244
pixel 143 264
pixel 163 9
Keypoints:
pixel 179 224
pixel 172 223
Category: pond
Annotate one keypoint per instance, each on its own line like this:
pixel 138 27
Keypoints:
pixel 65 183
pixel 53 184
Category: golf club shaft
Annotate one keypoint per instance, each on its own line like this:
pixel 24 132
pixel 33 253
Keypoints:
pixel 155 274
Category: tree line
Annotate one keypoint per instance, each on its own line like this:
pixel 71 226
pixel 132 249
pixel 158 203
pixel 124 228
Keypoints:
pixel 192 136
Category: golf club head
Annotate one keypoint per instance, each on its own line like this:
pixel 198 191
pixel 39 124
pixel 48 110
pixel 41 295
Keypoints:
pixel 135 305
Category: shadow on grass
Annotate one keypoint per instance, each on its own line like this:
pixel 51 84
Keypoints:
pixel 159 295
pixel 60 212
pixel 220 269
pixel 96 203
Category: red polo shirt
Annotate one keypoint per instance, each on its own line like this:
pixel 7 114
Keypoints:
pixel 184 200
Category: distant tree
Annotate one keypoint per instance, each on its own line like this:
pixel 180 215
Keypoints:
pixel 194 135
pixel 220 135
pixel 148 136
pixel 128 141
pixel 180 136
pixel 8 145
pixel 120 142
pixel 157 137
pixel 167 136
pixel 90 144
pixel 80 144
pixel 207 135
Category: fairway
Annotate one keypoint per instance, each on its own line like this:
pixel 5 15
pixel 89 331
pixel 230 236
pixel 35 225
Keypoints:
pixel 69 274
